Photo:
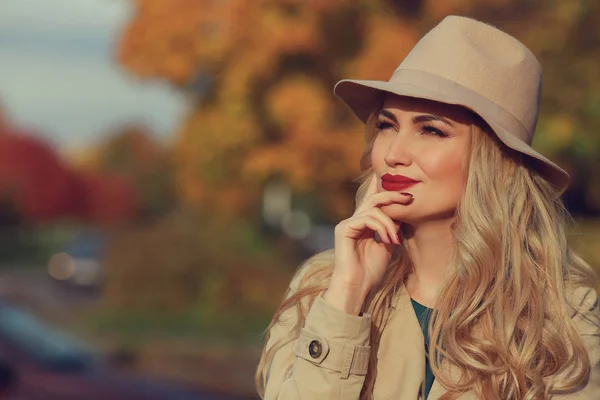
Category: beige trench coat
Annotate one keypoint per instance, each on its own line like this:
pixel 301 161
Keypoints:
pixel 329 359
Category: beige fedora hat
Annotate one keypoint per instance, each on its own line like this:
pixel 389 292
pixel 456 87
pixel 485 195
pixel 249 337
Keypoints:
pixel 472 64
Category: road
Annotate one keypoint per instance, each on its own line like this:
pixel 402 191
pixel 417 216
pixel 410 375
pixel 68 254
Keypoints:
pixel 210 368
pixel 33 289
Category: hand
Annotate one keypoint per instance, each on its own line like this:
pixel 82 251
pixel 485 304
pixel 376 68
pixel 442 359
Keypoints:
pixel 361 261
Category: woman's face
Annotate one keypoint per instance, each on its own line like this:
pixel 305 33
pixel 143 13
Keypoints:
pixel 425 141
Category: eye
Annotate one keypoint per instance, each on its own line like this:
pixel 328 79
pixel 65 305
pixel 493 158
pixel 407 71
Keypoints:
pixel 430 130
pixel 384 125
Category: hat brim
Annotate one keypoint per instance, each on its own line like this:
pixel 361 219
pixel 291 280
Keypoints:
pixel 365 96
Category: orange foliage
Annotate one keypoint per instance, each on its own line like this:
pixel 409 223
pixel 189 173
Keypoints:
pixel 268 109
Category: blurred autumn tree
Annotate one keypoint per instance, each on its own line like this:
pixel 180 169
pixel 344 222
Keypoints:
pixel 131 154
pixel 104 199
pixel 263 71
pixel 37 187
pixel 34 183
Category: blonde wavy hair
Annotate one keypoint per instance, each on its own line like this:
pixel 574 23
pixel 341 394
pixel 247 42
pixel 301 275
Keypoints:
pixel 510 333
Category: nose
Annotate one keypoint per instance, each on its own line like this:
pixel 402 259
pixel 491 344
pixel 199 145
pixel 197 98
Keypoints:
pixel 399 149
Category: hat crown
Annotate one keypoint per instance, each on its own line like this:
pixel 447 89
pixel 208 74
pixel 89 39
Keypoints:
pixel 485 60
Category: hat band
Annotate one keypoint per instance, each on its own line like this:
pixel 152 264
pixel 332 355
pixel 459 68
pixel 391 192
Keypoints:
pixel 421 84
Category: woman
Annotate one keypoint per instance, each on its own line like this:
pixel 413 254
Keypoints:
pixel 453 278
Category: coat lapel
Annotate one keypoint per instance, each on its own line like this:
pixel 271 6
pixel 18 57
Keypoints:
pixel 401 354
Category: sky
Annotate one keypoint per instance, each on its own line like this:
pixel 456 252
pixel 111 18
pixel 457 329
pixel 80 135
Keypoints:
pixel 58 76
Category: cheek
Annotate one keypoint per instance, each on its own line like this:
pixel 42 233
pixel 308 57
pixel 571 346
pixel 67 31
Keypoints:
pixel 443 165
pixel 445 172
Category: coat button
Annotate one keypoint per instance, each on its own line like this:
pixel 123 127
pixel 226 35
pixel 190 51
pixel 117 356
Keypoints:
pixel 315 349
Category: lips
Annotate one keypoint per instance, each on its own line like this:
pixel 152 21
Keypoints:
pixel 391 182
pixel 395 187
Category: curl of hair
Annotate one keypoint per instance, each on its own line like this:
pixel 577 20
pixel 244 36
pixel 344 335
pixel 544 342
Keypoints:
pixel 502 318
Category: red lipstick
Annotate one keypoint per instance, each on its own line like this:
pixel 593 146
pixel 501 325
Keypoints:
pixel 396 183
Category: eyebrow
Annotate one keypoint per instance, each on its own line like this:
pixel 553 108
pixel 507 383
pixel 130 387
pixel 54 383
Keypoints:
pixel 418 118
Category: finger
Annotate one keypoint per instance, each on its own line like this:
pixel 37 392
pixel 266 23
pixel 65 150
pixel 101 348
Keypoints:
pixel 383 199
pixel 356 228
pixel 376 225
pixel 391 226
pixel 373 186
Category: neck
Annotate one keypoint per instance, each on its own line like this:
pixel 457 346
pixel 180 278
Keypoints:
pixel 430 247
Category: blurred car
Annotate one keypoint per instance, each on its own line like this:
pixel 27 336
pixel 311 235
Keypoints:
pixel 81 263
pixel 39 362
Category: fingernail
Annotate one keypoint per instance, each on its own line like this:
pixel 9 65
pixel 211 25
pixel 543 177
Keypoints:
pixel 406 194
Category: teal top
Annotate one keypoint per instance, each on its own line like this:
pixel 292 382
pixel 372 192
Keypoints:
pixel 424 316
